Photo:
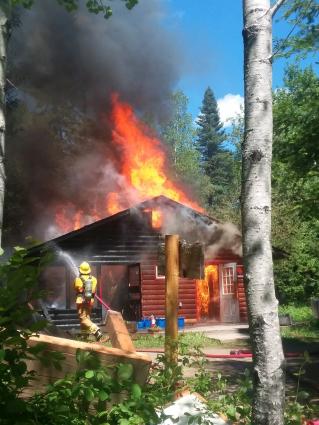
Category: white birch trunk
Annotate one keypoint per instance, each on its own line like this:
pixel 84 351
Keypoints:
pixel 268 358
pixel 4 13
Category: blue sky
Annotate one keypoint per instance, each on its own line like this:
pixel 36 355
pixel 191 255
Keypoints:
pixel 210 32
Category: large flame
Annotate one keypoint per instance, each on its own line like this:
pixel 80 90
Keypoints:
pixel 143 170
pixel 143 159
pixel 204 290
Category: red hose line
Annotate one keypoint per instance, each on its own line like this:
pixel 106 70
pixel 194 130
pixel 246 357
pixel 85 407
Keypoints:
pixel 102 302
pixel 218 356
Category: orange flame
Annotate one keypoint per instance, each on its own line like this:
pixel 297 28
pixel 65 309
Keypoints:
pixel 204 288
pixel 143 170
pixel 143 157
pixel 157 219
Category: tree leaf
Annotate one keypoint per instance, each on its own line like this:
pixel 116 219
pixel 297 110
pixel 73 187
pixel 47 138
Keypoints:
pixel 88 394
pixel 103 395
pixel 136 391
pixel 125 371
pixel 89 374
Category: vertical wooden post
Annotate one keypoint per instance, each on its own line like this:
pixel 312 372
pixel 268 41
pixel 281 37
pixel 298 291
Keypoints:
pixel 171 293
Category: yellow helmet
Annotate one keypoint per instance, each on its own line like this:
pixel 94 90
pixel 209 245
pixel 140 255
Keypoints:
pixel 85 268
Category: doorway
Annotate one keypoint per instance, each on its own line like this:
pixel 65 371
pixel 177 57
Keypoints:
pixel 208 294
pixel 229 306
pixel 121 289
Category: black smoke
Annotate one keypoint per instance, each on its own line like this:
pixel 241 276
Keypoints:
pixel 64 67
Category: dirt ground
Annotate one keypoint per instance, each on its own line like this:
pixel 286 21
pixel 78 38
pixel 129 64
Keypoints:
pixel 234 369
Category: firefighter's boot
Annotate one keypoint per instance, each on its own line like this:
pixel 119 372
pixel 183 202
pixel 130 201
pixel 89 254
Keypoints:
pixel 98 335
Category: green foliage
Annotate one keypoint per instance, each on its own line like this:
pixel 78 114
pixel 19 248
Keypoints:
pixel 296 132
pixel 18 277
pixel 236 405
pixel 296 186
pixel 210 134
pixel 188 338
pixel 180 136
pixel 94 395
pixel 308 332
pixel 297 275
pixel 298 408
pixel 228 208
pixel 93 6
pixel 305 325
pixel 218 162
pixel 303 16
pixel 298 313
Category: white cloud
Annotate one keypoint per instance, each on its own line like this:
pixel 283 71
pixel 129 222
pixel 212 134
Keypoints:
pixel 229 107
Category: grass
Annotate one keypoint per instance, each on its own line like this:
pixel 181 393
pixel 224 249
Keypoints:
pixel 305 331
pixel 305 327
pixel 297 313
pixel 193 339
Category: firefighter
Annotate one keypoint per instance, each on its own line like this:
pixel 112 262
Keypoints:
pixel 85 286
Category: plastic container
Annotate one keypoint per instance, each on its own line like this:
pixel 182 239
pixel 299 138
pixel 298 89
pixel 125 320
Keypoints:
pixel 160 322
pixel 181 322
pixel 147 323
pixel 140 324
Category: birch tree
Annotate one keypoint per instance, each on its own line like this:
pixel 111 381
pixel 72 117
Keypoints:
pixel 4 16
pixel 6 9
pixel 268 358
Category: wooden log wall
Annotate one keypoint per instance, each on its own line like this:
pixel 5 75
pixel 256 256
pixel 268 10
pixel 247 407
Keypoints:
pixel 153 293
pixel 241 294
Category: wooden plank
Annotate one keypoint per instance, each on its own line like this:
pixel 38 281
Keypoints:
pixel 108 356
pixel 117 331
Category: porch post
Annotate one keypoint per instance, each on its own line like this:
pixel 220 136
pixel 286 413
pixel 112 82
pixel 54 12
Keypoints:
pixel 171 293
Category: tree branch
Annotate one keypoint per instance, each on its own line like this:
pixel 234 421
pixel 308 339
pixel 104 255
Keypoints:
pixel 274 8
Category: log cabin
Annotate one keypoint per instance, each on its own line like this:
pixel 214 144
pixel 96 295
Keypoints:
pixel 124 251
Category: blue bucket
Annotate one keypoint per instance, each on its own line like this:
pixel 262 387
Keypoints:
pixel 147 323
pixel 140 324
pixel 160 322
pixel 181 322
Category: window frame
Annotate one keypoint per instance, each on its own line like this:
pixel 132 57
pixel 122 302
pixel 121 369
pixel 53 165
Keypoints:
pixel 229 267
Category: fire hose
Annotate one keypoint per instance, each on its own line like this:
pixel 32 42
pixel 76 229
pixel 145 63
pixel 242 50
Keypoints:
pixel 102 302
pixel 234 354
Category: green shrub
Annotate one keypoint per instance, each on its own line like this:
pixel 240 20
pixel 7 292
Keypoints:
pixel 302 313
pixel 18 277
pixel 94 395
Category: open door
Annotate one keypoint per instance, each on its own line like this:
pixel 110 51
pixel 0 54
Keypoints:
pixel 133 309
pixel 229 306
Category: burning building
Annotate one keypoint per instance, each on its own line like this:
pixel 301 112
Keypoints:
pixel 124 250
pixel 119 229
pixel 87 155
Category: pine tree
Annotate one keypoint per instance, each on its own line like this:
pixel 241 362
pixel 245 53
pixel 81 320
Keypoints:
pixel 179 133
pixel 217 161
pixel 210 133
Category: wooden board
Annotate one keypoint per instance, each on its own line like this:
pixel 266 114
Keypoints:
pixel 108 356
pixel 117 331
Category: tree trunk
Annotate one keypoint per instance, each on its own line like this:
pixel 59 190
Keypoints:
pixel 4 13
pixel 268 358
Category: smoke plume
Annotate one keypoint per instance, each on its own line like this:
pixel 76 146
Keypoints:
pixel 65 67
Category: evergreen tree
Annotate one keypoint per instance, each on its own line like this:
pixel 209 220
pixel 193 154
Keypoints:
pixel 217 161
pixel 210 132
pixel 179 134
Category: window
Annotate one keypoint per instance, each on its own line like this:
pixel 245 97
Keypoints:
pixel 228 279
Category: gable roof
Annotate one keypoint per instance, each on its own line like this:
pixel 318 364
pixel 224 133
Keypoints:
pixel 158 201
